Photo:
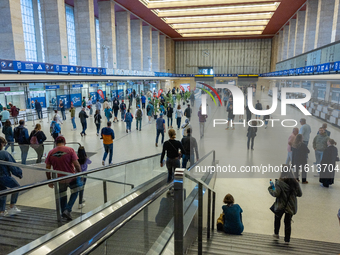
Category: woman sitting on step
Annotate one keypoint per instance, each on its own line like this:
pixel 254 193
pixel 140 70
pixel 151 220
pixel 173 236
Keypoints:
pixel 232 216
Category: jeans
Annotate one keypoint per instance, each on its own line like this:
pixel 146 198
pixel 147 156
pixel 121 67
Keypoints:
pixel 202 129
pixel 318 157
pixel 8 182
pixel 10 143
pixel 140 123
pixel 63 114
pixel 91 110
pixel 143 105
pixel 192 103
pixel 98 128
pixel 287 221
pixel 289 157
pixel 64 205
pixel 172 164
pixel 123 115
pixel 24 151
pixel 185 159
pixel 84 125
pixel 39 112
pixel 40 152
pixel 305 142
pixel 179 122
pixel 108 149
pixel 160 131
pixel 169 120
pixel 128 125
pixel 252 142
pixel 74 122
pixel 81 191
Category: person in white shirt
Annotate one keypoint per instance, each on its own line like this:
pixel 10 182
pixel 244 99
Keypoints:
pixel 178 116
pixel 305 131
pixel 89 105
pixel 56 115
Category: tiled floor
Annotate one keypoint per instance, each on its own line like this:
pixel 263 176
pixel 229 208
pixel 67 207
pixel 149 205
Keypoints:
pixel 317 208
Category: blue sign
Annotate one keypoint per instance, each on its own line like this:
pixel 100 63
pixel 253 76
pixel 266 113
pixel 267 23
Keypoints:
pixel 52 87
pixel 41 100
pixel 49 68
pixel 77 85
pixel 61 68
pixel 121 83
pixel 337 66
pixel 65 99
pixel 94 85
pixel 6 65
pixel 93 96
pixel 120 93
pixel 109 84
pixel 76 99
pixel 100 98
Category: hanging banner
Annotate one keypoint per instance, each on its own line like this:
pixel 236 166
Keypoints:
pixel 76 99
pixel 100 93
pixel 65 99
pixel 160 92
pixel 185 87
pixel 93 96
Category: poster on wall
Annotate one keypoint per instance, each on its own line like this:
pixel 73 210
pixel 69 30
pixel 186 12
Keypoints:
pixel 65 99
pixel 101 99
pixel 120 93
pixel 93 96
pixel 41 100
pixel 76 99
pixel 185 87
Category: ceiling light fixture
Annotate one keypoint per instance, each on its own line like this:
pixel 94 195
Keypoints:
pixel 223 34
pixel 221 24
pixel 221 29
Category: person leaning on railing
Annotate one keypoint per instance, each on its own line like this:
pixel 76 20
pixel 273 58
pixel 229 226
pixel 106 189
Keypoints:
pixel 7 181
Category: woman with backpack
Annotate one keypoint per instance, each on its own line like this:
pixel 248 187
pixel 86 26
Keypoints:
pixel 55 128
pixel 108 113
pixel 128 120
pixel 8 132
pixel 97 120
pixel 251 134
pixel 37 138
pixel 286 190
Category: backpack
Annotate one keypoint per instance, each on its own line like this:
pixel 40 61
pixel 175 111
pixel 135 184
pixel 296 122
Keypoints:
pixel 159 124
pixel 124 107
pixel 139 114
pixel 34 141
pixel 52 128
pixel 128 117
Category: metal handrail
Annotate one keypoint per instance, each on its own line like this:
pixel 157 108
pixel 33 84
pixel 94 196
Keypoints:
pixel 71 176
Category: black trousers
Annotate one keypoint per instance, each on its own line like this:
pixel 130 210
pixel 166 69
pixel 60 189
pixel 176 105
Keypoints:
pixel 287 221
pixel 252 142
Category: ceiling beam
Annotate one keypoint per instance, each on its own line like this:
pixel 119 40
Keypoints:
pixel 221 24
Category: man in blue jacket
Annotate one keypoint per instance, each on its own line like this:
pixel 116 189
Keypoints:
pixel 22 138
pixel 38 108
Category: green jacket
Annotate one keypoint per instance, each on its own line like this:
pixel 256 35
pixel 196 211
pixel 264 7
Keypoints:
pixel 73 112
pixel 320 142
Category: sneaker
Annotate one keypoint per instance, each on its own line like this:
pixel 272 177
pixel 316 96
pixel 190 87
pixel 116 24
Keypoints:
pixel 140 130
pixel 306 182
pixel 81 134
pixel 111 164
pixel 80 206
pixel 227 128
pixel 97 134
pixel 156 145
pixel 14 210
pixel 276 236
pixel 67 215
pixel 13 152
pixel 286 243
pixel 127 131
pixel 103 162
pixel 83 200
pixel 3 214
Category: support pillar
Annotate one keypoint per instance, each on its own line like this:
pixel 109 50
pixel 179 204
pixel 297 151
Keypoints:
pixel 162 53
pixel 124 40
pixel 280 43
pixel 310 25
pixel 53 19
pixel 336 23
pixel 299 32
pixel 155 51
pixel 291 38
pixel 107 33
pixel 324 23
pixel 169 56
pixel 285 42
pixel 137 44
pixel 147 48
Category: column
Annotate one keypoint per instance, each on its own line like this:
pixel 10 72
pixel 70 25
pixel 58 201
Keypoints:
pixel 107 33
pixel 123 40
pixel 299 32
pixel 280 40
pixel 53 19
pixel 11 33
pixel 310 25
pixel 155 51
pixel 285 42
pixel 85 32
pixel 324 23
pixel 137 44
pixel 169 55
pixel 162 53
pixel 37 31
pixel 336 23
pixel 328 90
pixel 147 48
pixel 291 38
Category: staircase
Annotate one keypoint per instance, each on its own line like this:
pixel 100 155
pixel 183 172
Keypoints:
pixel 22 228
pixel 248 243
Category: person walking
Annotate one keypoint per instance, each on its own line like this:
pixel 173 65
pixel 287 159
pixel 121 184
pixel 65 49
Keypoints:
pixel 56 115
pixel 7 181
pixel 90 106
pixel 328 162
pixel 14 112
pixel 4 115
pixel 178 116
pixel 108 136
pixel 319 145
pixel 173 150
pixel 22 138
pixel 138 116
pixel 187 112
pixel 83 116
pixel 115 108
pixel 8 132
pixel 189 144
pixel 252 129
pixel 231 116
pixel 128 120
pixel 55 128
pixel 291 139
pixel 97 121
pixel 38 108
pixel 143 99
pixel 108 112
pixel 73 117
pixel 192 99
pixel 169 112
pixel 122 110
pixel 232 216
pixel 84 161
pixel 202 118
pixel 149 111
pixel 266 118
pixel 285 191
pixel 248 113
pixel 185 127
pixel 62 109
pixel 305 131
pixel 299 158
pixel 258 107
pixel 137 100
pixel 98 105
pixel 83 102
pixel 64 159
pixel 37 138
pixel 160 128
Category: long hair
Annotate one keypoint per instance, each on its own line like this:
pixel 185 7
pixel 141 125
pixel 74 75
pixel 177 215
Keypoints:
pixel 7 123
pixel 298 141
pixel 82 155
pixel 288 177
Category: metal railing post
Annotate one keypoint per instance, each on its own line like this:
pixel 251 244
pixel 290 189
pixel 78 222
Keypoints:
pixel 213 211
pixel 200 217
pixel 214 157
pixel 57 199
pixel 178 211
pixel 105 191
pixel 48 116
pixel 209 213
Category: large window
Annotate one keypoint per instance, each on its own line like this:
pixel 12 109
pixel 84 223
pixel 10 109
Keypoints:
pixel 71 36
pixel 41 33
pixel 29 30
pixel 99 58
pixel 205 70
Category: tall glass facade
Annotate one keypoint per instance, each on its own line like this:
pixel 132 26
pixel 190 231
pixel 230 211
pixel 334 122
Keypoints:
pixel 99 59
pixel 29 30
pixel 41 33
pixel 71 36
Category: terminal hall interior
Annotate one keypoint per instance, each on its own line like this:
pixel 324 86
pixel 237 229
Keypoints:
pixel 169 127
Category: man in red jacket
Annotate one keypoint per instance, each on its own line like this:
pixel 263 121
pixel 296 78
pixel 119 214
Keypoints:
pixel 14 113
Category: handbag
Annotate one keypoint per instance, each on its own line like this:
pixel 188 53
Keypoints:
pixel 220 222
pixel 281 211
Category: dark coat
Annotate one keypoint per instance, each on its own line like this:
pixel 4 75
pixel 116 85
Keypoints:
pixel 329 157
pixel 299 156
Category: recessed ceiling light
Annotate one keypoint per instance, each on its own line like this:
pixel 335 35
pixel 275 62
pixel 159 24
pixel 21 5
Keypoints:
pixel 223 34
pixel 221 24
